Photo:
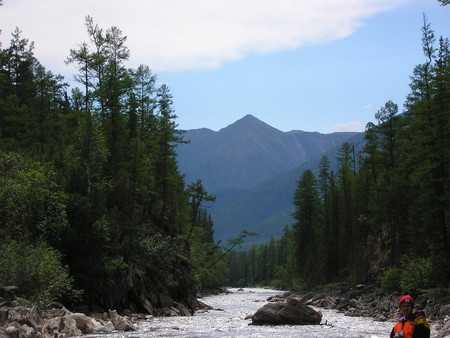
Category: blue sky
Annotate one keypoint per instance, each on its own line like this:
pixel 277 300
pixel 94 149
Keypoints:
pixel 322 65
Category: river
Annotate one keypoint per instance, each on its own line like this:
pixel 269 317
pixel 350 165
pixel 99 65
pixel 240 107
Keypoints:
pixel 230 321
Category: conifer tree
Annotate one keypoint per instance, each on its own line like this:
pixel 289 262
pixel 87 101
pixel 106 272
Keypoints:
pixel 330 231
pixel 307 229
pixel 167 180
pixel 345 190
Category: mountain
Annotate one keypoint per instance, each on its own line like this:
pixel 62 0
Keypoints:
pixel 248 152
pixel 267 208
pixel 252 169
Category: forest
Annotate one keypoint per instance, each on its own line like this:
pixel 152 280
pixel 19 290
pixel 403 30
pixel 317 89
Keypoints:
pixel 91 199
pixel 383 217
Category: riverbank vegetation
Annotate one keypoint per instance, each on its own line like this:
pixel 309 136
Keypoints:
pixel 91 200
pixel 383 217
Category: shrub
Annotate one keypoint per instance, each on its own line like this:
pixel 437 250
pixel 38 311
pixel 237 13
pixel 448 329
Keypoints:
pixel 390 280
pixel 31 202
pixel 36 270
pixel 415 273
pixel 412 275
pixel 281 278
pixel 164 257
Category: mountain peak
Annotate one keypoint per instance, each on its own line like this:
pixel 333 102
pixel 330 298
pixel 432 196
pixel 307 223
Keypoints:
pixel 249 122
pixel 249 117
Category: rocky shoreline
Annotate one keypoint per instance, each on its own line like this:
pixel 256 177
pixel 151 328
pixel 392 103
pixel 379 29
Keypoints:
pixel 21 318
pixel 368 301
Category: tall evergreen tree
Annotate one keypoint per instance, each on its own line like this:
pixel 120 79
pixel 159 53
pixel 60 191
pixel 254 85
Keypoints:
pixel 83 59
pixel 168 181
pixel 307 228
pixel 345 189
pixel 330 230
pixel 197 196
pixel 17 90
pixel 389 205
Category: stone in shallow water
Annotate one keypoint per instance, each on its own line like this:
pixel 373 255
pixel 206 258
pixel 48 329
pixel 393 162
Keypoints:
pixel 291 312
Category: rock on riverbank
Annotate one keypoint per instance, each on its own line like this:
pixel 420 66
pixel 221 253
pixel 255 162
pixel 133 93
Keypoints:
pixel 20 318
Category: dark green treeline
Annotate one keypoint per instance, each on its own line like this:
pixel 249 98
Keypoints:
pixel 89 178
pixel 384 215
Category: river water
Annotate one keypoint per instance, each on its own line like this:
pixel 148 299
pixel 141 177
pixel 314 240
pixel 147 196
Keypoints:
pixel 228 320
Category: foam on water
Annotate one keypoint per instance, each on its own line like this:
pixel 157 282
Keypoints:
pixel 228 320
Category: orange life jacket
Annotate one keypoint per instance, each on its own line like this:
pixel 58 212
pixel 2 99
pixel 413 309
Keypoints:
pixel 408 326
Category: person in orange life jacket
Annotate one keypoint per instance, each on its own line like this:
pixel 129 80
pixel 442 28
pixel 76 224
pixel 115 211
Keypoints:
pixel 410 324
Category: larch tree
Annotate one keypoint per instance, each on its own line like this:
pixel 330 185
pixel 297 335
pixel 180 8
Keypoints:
pixel 307 228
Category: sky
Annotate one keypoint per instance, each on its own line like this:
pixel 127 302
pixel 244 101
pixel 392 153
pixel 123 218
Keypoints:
pixel 322 65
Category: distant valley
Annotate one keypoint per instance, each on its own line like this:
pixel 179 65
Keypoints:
pixel 252 169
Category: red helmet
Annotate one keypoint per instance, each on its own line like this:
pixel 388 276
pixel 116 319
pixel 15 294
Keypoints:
pixel 405 299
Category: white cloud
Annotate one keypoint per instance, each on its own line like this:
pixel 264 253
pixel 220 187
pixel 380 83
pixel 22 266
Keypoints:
pixel 349 126
pixel 187 34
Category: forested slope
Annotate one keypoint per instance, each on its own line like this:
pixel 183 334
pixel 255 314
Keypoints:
pixel 266 208
pixel 383 215
pixel 93 209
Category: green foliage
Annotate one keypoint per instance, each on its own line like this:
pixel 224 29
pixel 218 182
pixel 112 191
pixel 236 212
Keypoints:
pixel 415 273
pixel 213 278
pixel 282 279
pixel 308 230
pixel 162 255
pixel 36 270
pixel 412 275
pixel 438 295
pixel 103 184
pixel 31 203
pixel 390 280
pixel 87 154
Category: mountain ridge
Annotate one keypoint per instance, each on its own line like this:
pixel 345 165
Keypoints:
pixel 252 169
pixel 256 150
pixel 271 197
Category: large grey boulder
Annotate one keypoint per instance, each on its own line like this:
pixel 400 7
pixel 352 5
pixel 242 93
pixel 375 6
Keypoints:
pixel 120 323
pixel 82 322
pixel 291 312
pixel 60 327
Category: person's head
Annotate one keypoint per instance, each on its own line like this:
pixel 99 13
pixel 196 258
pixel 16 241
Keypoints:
pixel 406 305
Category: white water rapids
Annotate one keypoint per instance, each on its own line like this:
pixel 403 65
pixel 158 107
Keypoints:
pixel 230 321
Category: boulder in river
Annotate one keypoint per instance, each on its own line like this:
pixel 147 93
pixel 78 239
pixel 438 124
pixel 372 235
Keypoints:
pixel 290 312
